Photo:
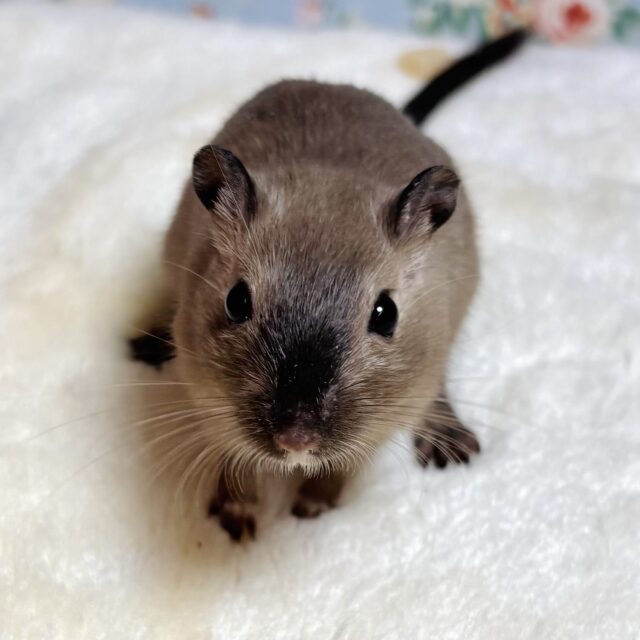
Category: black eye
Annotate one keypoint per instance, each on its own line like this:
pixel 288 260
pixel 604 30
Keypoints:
pixel 384 316
pixel 238 303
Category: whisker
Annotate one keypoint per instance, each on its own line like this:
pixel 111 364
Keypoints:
pixel 444 284
pixel 195 273
pixel 111 410
pixel 96 459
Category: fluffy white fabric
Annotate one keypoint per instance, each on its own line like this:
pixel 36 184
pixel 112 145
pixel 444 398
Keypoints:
pixel 100 111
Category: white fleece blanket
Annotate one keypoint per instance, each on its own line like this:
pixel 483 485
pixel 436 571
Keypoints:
pixel 100 111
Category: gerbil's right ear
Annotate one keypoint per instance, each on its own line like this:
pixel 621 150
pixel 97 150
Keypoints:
pixel 222 183
pixel 425 204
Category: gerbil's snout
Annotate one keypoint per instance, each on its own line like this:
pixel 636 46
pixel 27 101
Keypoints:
pixel 297 438
pixel 299 407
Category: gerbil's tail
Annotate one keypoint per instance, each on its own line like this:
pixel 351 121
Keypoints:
pixel 460 72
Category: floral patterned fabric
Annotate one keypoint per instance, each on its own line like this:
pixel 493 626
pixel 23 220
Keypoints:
pixel 555 21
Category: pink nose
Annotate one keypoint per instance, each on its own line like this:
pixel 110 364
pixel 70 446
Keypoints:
pixel 296 439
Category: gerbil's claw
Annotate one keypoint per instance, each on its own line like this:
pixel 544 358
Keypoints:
pixel 444 439
pixel 309 508
pixel 153 348
pixel 235 519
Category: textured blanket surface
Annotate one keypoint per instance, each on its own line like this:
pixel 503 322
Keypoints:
pixel 100 112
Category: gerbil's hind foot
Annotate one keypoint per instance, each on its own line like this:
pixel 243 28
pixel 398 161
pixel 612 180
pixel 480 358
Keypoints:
pixel 153 348
pixel 443 438
pixel 235 518
pixel 316 496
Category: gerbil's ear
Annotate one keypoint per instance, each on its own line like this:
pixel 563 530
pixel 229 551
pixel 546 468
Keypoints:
pixel 426 203
pixel 222 183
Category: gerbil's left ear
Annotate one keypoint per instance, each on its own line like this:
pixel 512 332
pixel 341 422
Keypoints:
pixel 222 183
pixel 426 203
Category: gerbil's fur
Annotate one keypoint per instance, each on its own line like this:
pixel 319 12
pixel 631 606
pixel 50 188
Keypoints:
pixel 317 199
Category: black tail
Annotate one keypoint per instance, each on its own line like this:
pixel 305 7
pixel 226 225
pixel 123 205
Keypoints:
pixel 460 72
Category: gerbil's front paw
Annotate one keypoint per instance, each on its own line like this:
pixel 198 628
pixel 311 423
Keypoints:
pixel 444 439
pixel 154 347
pixel 235 518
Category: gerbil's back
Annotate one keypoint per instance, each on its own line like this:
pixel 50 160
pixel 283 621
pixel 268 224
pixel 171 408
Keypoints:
pixel 299 122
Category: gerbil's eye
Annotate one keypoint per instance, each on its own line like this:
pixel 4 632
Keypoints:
pixel 384 316
pixel 238 303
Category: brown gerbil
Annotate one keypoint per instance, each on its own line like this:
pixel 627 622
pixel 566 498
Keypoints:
pixel 320 263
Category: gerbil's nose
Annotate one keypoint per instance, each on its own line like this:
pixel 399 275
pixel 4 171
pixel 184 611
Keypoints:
pixel 297 439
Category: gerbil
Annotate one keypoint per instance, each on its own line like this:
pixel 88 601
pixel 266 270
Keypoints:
pixel 320 263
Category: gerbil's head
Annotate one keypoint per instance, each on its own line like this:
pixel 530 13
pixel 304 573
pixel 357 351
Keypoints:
pixel 308 311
